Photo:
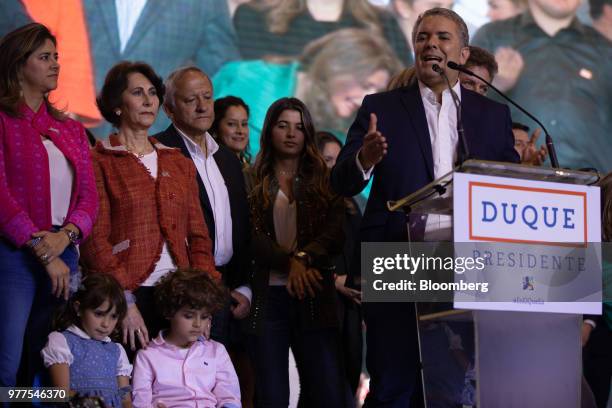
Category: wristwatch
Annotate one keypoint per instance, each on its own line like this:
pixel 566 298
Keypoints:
pixel 302 256
pixel 72 235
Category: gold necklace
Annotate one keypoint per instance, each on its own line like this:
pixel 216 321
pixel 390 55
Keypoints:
pixel 286 173
pixel 140 155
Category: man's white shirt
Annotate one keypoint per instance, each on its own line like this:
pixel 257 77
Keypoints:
pixel 443 134
pixel 218 196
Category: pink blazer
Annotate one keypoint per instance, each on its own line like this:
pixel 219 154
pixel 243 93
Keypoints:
pixel 25 204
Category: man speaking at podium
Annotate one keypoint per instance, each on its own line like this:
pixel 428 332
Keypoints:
pixel 406 138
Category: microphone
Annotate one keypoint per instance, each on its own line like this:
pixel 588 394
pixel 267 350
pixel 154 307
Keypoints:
pixel 549 141
pixel 464 152
pixel 437 69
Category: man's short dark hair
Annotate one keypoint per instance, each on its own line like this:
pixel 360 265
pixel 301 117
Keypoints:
pixel 479 57
pixel 464 34
pixel 116 82
pixel 596 7
pixel 520 126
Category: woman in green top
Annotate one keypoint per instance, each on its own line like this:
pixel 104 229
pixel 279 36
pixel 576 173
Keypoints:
pixel 231 128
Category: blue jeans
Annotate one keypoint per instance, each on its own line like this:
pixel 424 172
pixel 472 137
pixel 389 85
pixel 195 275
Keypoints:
pixel 26 309
pixel 316 352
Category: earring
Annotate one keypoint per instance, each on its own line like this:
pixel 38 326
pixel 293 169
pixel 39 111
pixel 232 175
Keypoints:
pixel 118 112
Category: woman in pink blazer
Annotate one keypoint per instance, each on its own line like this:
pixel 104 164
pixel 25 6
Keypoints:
pixel 49 199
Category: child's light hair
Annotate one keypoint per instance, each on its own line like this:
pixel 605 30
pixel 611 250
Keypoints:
pixel 189 287
pixel 93 291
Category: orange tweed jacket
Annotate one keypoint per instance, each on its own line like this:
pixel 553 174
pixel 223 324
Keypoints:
pixel 137 213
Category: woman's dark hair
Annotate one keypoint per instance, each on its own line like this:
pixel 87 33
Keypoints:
pixel 324 138
pixel 189 287
pixel 221 107
pixel 116 82
pixel 93 291
pixel 312 169
pixel 15 49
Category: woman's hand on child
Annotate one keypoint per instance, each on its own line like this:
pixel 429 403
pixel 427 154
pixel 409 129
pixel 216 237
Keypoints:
pixel 134 328
pixel 51 246
pixel 59 273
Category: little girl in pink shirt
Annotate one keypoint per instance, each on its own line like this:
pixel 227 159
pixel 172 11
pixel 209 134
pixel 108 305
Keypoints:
pixel 181 367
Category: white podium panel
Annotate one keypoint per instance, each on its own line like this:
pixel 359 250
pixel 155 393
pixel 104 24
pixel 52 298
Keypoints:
pixel 540 230
pixel 540 242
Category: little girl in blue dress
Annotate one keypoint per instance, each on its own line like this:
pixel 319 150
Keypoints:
pixel 80 355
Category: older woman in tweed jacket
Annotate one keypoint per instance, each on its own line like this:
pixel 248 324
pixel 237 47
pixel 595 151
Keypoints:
pixel 150 219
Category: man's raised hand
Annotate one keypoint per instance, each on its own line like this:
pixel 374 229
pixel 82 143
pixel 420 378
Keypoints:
pixel 374 146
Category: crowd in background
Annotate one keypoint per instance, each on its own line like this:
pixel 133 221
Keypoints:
pixel 265 49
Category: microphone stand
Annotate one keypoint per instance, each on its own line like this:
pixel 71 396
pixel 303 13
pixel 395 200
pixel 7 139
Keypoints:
pixel 549 142
pixel 463 153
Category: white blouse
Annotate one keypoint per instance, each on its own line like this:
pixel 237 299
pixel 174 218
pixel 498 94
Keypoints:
pixel 165 263
pixel 285 226
pixel 61 176
pixel 57 351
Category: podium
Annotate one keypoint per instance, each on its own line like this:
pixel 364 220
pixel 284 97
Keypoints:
pixel 521 346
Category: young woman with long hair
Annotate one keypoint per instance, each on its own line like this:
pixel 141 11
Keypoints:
pixel 297 222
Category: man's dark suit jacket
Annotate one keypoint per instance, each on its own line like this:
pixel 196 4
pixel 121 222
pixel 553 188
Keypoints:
pixel 236 272
pixel 408 164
